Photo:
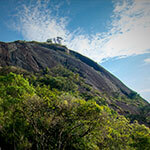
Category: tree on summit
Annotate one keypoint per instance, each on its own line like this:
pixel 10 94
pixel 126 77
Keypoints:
pixel 49 41
pixel 57 40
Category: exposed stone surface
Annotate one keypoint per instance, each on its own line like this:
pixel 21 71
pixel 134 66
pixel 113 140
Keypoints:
pixel 35 56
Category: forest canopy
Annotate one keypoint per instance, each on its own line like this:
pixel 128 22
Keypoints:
pixel 49 111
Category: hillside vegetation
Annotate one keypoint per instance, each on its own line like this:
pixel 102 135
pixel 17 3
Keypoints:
pixel 56 109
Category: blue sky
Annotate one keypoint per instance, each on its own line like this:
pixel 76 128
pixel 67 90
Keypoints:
pixel 114 33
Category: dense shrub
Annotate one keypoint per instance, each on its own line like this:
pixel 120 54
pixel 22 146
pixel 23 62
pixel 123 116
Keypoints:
pixel 48 115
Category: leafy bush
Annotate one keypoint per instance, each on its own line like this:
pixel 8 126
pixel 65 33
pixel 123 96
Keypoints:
pixel 41 117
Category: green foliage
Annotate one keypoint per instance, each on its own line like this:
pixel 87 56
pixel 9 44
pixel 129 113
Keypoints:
pixel 50 113
pixel 141 137
pixel 14 90
pixel 60 83
pixel 133 95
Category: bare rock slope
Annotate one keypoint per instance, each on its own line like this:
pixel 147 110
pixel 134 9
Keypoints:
pixel 34 56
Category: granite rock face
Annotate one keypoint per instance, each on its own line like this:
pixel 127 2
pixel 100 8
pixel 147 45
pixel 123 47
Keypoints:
pixel 34 56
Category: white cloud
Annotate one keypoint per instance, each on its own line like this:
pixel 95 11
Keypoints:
pixel 36 22
pixel 145 91
pixel 147 60
pixel 128 34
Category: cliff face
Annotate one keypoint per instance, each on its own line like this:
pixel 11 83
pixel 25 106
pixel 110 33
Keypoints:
pixel 34 57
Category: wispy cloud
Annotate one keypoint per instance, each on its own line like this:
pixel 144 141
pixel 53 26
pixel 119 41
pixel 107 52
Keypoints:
pixel 145 91
pixel 37 22
pixel 128 34
pixel 130 31
pixel 147 60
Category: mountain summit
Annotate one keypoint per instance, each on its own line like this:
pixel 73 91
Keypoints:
pixel 34 56
pixel 37 56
